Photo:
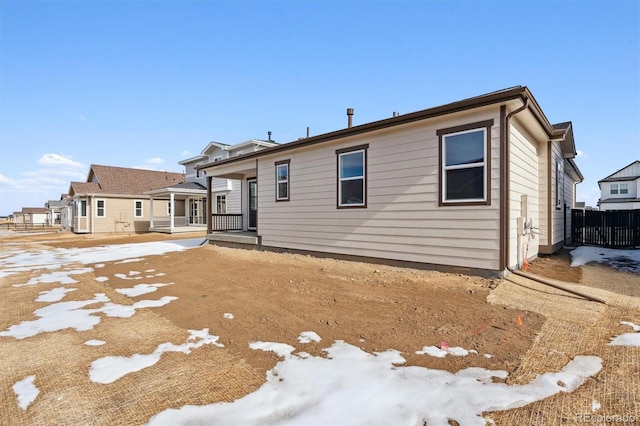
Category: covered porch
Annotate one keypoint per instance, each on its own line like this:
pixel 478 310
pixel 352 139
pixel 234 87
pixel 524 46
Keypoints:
pixel 236 225
pixel 176 209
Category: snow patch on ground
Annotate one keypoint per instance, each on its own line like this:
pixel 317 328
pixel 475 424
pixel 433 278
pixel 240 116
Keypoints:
pixel 308 336
pixel 26 391
pixel 441 353
pixel 351 386
pixel 111 368
pixel 623 260
pixel 140 289
pixel 627 339
pixel 94 342
pixel 228 315
pixel 63 315
pixel 54 295
pixel 101 279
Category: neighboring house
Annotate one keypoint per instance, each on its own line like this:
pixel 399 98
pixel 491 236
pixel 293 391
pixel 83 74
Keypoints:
pixel 56 207
pixel 113 199
pixel 476 184
pixel 30 216
pixel 621 190
pixel 186 201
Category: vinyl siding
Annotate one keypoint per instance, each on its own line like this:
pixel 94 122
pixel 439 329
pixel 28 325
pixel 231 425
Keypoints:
pixel 523 180
pixel 120 215
pixel 402 220
pixel 557 214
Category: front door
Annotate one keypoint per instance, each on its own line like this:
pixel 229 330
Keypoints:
pixel 253 204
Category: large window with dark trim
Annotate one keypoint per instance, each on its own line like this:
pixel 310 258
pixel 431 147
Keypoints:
pixel 282 180
pixel 352 176
pixel 465 164
pixel 221 204
pixel 137 208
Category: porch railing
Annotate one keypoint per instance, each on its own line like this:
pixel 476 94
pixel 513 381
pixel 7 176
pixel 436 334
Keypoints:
pixel 226 222
pixel 160 222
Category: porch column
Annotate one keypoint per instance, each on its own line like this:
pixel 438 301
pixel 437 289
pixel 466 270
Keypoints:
pixel 173 209
pixel 209 204
pixel 151 212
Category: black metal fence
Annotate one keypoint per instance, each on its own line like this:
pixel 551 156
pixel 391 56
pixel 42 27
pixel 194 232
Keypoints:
pixel 616 229
pixel 226 222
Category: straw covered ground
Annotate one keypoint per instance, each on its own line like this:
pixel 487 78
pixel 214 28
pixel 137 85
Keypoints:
pixel 275 297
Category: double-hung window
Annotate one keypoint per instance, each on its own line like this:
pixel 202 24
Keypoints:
pixel 221 204
pixel 100 208
pixel 352 176
pixel 614 188
pixel 282 180
pixel 465 164
pixel 624 188
pixel 137 208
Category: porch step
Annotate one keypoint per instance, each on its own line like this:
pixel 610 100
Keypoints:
pixel 248 240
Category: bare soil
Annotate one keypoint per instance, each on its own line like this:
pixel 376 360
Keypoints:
pixel 274 297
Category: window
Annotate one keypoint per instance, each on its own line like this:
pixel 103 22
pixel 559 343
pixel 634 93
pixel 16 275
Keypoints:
pixel 559 185
pixel 465 164
pixel 282 180
pixel 352 176
pixel 100 208
pixel 624 188
pixel 138 208
pixel 83 208
pixel 169 207
pixel 198 173
pixel 221 204
pixel 614 188
pixel 217 158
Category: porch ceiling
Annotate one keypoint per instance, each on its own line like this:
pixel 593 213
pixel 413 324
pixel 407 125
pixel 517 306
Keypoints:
pixel 178 195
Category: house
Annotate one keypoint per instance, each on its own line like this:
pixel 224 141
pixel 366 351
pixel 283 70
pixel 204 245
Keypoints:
pixel 621 190
pixel 189 197
pixel 56 211
pixel 474 185
pixel 113 199
pixel 30 216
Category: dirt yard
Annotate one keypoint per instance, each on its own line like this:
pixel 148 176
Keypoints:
pixel 274 297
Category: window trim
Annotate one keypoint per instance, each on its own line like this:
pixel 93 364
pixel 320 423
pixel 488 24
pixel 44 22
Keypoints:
pixel 278 164
pixel 104 208
pixel 611 189
pixel 218 198
pixel 365 184
pixel 625 189
pixel 442 134
pixel 82 202
pixel 135 208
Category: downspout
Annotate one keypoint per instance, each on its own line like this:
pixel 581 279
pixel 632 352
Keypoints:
pixel 504 199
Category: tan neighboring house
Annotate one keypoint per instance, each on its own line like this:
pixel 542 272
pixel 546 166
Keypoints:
pixel 189 197
pixel 113 199
pixel 478 184
pixel 30 216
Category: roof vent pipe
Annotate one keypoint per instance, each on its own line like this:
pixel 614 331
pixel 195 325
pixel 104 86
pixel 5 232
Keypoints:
pixel 269 135
pixel 307 131
pixel 349 117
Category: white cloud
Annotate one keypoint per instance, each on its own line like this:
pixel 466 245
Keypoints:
pixel 6 180
pixel 155 160
pixel 581 153
pixel 58 160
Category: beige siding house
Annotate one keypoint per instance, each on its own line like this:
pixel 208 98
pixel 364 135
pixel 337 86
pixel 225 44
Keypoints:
pixel 113 199
pixel 189 197
pixel 467 185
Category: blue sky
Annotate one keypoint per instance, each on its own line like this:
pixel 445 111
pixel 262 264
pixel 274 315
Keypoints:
pixel 150 83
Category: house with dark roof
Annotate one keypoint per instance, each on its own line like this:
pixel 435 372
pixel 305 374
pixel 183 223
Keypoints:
pixel 113 199
pixel 186 201
pixel 621 190
pixel 480 184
